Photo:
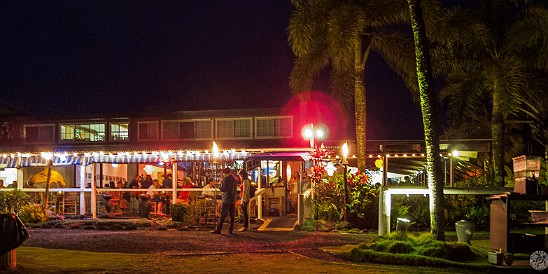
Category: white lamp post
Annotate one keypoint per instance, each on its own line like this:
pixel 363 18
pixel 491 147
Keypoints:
pixel 345 179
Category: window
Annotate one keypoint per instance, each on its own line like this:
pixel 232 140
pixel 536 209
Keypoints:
pixel 83 132
pixel 148 131
pixel 274 127
pixel 39 133
pixel 187 129
pixel 119 131
pixel 234 128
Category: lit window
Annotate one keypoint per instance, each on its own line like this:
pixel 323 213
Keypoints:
pixel 119 131
pixel 273 127
pixel 83 132
pixel 39 133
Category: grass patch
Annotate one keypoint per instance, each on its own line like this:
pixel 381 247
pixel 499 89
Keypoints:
pixel 418 250
pixel 41 260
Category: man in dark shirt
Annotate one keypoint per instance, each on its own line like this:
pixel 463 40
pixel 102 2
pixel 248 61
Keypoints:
pixel 168 182
pixel 229 190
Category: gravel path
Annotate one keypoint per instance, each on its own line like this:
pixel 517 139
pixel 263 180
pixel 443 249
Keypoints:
pixel 189 243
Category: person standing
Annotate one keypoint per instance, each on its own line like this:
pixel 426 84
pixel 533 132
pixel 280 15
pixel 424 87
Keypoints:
pixel 228 188
pixel 246 187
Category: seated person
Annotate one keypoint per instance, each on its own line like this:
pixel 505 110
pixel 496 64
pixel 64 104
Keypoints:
pixel 168 181
pixel 184 195
pixel 209 192
pixel 121 195
pixel 156 197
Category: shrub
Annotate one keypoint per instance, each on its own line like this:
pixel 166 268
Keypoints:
pixel 328 203
pixel 381 246
pixel 308 225
pixel 13 201
pixel 435 249
pixel 181 213
pixel 420 215
pixel 400 247
pixel 32 213
pixel 459 252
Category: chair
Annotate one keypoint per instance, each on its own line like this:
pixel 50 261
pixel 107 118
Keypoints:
pixel 206 209
pixel 70 203
pixel 134 204
pixel 154 208
pixel 275 203
pixel 115 206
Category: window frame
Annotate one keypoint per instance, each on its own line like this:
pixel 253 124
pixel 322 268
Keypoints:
pixel 256 121
pixel 25 126
pixel 211 129
pixel 157 123
pixel 105 136
pixel 249 119
pixel 111 139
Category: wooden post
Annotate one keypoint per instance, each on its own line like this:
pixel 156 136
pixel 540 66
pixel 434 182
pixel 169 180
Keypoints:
pixel 8 261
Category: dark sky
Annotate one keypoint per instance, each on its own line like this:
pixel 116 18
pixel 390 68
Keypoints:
pixel 120 57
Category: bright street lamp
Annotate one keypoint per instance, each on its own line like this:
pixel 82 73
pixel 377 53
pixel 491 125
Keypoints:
pixel 311 133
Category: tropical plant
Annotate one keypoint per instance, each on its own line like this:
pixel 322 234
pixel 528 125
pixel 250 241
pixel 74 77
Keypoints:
pixel 32 213
pixel 340 35
pixel 328 203
pixel 494 54
pixel 13 201
pixel 181 213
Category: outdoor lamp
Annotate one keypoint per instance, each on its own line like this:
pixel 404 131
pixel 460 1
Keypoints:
pixel 215 151
pixel 311 133
pixel 345 153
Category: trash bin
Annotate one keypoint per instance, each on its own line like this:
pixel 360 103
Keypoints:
pixel 402 224
pixel 465 230
pixel 12 234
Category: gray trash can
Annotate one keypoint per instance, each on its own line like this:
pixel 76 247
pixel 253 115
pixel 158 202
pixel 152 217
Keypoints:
pixel 465 230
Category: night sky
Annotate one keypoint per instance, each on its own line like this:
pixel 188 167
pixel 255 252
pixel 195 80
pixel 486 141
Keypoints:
pixel 126 57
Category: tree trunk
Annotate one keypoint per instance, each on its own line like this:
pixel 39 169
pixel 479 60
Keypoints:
pixel 497 135
pixel 428 104
pixel 360 107
pixel 46 195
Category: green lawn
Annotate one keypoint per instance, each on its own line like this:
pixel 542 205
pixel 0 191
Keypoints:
pixel 40 260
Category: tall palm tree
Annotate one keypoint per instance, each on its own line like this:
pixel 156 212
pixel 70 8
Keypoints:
pixel 340 35
pixel 428 102
pixel 492 53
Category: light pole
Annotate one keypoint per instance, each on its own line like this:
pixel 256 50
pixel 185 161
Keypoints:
pixel 215 153
pixel 345 181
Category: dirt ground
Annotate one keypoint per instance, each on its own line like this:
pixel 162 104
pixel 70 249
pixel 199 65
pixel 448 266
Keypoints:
pixel 173 242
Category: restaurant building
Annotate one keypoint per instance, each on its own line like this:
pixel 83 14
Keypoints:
pixel 87 153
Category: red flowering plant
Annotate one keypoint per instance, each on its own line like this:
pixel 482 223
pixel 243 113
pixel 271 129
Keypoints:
pixel 362 199
pixel 317 170
pixel 361 192
pixel 325 201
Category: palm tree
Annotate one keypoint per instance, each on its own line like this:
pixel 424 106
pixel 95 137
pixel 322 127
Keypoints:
pixel 340 35
pixel 492 54
pixel 428 102
pixel 538 113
